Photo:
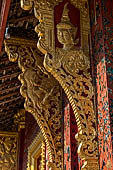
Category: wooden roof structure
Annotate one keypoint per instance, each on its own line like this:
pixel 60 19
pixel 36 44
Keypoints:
pixel 19 23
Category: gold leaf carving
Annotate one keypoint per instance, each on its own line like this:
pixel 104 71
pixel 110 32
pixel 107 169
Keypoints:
pixel 8 151
pixel 70 67
pixel 19 119
pixel 42 96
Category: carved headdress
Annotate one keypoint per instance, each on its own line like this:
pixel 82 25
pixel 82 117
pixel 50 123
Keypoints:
pixel 65 20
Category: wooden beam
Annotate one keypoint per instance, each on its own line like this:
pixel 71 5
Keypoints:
pixel 8 108
pixel 14 65
pixel 8 95
pixel 9 89
pixel 9 76
pixel 6 83
pixel 11 100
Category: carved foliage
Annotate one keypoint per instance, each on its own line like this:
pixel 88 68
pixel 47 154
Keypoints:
pixel 19 119
pixel 8 151
pixel 42 96
pixel 71 70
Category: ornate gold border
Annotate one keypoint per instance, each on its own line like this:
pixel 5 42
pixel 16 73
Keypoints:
pixel 34 152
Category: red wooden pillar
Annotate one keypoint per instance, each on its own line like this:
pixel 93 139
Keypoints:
pixel 4 9
pixel 67 137
pixel 47 158
pixel 101 19
pixel 21 147
pixel 70 143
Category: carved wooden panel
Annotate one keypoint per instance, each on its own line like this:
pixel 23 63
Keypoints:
pixel 8 151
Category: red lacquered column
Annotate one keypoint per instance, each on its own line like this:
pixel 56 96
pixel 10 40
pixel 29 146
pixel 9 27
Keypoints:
pixel 4 9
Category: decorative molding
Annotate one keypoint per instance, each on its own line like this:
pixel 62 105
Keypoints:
pixel 34 151
pixel 8 150
pixel 43 156
pixel 70 67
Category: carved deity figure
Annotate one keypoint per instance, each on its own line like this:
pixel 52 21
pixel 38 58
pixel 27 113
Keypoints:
pixel 71 58
pixel 66 32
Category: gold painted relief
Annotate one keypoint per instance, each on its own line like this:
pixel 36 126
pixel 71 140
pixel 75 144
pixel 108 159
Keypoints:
pixel 19 119
pixel 70 67
pixel 8 151
pixel 42 95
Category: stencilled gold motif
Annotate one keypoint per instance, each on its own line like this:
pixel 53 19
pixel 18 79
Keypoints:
pixel 42 95
pixel 8 151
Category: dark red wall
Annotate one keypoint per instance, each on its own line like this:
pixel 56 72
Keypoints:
pixel 27 137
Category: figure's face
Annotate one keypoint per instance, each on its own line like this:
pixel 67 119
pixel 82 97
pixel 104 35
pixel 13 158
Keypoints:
pixel 64 36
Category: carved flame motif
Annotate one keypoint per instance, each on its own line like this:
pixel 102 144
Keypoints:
pixel 42 96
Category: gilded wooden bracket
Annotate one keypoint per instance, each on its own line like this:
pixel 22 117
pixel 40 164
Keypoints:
pixel 42 94
pixel 71 68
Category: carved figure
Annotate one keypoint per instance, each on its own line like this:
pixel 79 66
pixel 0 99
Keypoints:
pixel 71 58
pixel 70 66
pixel 66 32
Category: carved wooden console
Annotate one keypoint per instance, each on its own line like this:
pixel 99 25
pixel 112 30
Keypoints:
pixel 69 64
pixel 42 94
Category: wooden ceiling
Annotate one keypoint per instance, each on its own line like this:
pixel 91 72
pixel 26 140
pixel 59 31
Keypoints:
pixel 10 98
pixel 21 24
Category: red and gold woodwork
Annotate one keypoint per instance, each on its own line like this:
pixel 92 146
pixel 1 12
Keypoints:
pixel 63 62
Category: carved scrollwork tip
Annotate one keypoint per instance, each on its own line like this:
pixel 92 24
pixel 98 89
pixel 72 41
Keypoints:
pixel 26 4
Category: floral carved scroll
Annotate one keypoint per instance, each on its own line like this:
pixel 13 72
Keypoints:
pixel 42 95
pixel 70 67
